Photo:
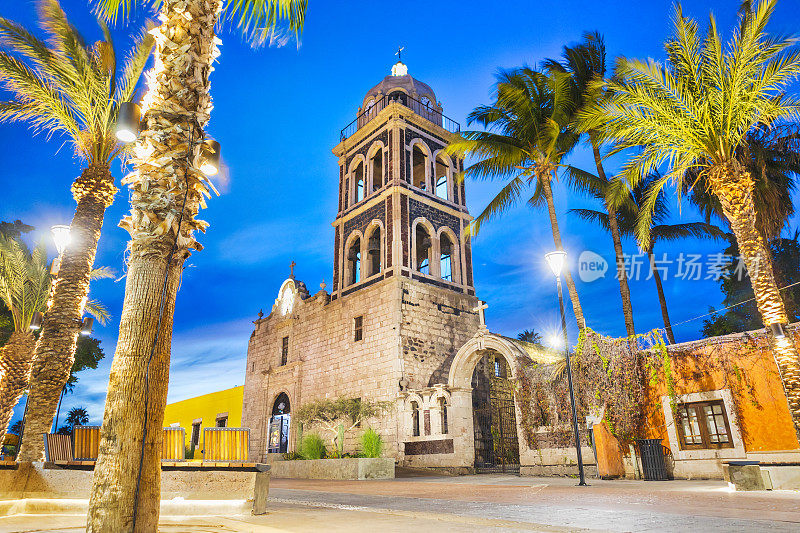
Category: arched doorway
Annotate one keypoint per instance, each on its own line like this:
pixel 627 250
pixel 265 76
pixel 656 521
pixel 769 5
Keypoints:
pixel 494 418
pixel 278 441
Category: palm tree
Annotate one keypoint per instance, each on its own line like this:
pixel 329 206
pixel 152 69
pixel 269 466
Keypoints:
pixel 772 157
pixel 67 88
pixel 586 65
pixel 167 191
pixel 659 231
pixel 25 284
pixel 77 416
pixel 695 113
pixel 530 114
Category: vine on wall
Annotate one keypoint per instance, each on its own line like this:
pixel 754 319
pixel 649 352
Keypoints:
pixel 612 379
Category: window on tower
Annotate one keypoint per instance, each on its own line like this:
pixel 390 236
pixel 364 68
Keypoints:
pixel 441 178
pixel 358 174
pixel 418 163
pixel 354 262
pixel 415 419
pixel 423 250
pixel 377 170
pixel 374 252
pixel 446 257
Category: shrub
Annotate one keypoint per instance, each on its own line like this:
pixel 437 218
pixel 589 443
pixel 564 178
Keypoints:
pixel 371 443
pixel 312 447
pixel 189 452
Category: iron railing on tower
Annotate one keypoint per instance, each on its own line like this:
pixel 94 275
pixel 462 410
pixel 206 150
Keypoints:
pixel 425 110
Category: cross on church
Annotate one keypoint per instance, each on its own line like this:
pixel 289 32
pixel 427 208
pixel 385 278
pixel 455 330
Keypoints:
pixel 481 310
pixel 291 269
pixel 399 52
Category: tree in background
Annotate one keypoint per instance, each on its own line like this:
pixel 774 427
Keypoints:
pixel 340 416
pixel 660 230
pixel 25 284
pixel 14 230
pixel 586 65
pixel 77 416
pixel 67 88
pixel 531 336
pixel 743 314
pixel 167 189
pixel 694 114
pixel 526 138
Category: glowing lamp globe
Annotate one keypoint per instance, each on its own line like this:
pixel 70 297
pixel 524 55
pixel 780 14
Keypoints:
pixel 128 121
pixel 555 260
pixel 210 158
pixel 61 237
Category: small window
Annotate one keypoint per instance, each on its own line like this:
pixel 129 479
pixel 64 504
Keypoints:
pixel 704 425
pixel 358 328
pixel 285 351
pixel 415 419
pixel 443 413
pixel 222 420
pixel 195 435
pixel 253 366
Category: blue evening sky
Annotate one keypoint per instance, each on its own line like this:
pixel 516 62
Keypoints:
pixel 278 112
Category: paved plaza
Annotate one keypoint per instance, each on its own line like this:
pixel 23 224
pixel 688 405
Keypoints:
pixel 486 503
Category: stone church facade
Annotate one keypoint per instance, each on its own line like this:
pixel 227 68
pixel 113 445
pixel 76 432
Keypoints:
pixel 401 322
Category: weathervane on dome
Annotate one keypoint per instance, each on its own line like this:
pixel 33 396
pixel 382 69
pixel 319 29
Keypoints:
pixel 399 68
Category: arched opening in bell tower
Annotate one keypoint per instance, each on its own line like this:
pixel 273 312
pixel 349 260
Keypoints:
pixel 423 250
pixel 377 170
pixel 374 252
pixel 358 177
pixel 419 163
pixel 354 262
pixel 442 172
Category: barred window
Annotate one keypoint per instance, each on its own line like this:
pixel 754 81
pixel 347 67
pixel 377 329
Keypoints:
pixel 358 328
pixel 285 351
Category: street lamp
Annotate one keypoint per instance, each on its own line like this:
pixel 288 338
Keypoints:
pixel 555 260
pixel 61 237
pixel 128 121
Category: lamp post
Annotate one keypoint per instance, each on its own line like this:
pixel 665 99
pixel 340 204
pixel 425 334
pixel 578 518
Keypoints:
pixel 555 260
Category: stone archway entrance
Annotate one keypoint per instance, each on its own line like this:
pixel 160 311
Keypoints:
pixel 494 416
pixel 278 441
pixel 481 382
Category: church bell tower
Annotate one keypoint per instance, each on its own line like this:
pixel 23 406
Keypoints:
pixel 401 210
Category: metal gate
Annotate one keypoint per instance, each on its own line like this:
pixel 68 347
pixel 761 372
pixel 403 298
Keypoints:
pixel 494 418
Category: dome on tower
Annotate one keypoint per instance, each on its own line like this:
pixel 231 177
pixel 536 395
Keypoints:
pixel 400 81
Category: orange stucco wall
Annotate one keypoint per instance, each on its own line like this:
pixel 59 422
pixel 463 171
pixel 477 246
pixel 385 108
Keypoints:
pixel 763 413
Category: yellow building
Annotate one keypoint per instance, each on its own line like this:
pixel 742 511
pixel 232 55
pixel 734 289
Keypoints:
pixel 215 409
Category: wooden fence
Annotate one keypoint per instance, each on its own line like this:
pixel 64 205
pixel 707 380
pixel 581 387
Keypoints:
pixel 173 446
pixel 85 442
pixel 226 444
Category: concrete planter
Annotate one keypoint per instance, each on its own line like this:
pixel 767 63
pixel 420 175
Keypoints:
pixel 355 468
pixel 32 481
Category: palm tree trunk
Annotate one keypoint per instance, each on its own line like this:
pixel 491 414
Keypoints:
pixel 55 350
pixel 734 187
pixel 16 357
pixel 661 298
pixel 573 292
pixel 167 187
pixel 622 274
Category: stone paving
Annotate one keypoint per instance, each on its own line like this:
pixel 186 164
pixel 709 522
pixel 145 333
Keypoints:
pixel 487 503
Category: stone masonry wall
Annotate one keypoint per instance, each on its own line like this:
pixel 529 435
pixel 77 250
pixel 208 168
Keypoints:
pixel 324 360
pixel 436 323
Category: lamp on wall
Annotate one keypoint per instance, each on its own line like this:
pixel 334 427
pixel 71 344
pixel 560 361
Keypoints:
pixel 210 157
